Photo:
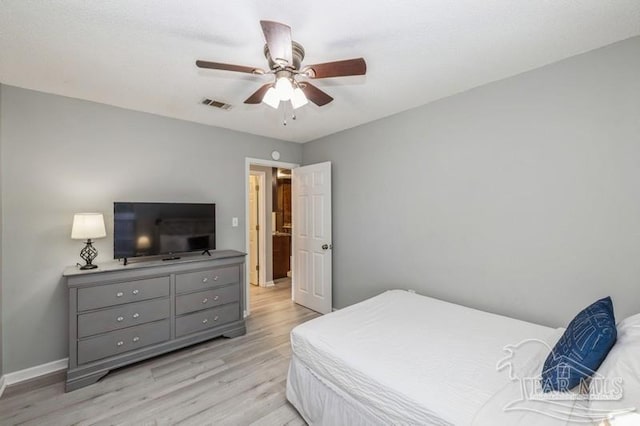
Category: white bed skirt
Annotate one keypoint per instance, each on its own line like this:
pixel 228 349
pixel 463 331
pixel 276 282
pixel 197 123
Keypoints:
pixel 321 403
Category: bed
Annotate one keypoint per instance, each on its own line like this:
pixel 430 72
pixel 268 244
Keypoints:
pixel 403 358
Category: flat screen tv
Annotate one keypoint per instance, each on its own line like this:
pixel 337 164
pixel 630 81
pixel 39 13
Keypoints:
pixel 161 229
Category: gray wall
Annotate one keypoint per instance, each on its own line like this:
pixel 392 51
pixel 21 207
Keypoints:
pixel 61 156
pixel 1 227
pixel 521 197
pixel 267 191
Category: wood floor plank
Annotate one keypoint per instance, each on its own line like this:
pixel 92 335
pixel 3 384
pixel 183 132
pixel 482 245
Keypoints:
pixel 254 404
pixel 285 414
pixel 184 401
pixel 238 381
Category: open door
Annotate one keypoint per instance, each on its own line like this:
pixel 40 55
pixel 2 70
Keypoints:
pixel 312 248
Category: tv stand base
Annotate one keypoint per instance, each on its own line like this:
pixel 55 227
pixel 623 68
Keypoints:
pixel 171 258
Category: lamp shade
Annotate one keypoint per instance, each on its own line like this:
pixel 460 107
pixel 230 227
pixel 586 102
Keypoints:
pixel 284 89
pixel 271 98
pixel 298 99
pixel 87 226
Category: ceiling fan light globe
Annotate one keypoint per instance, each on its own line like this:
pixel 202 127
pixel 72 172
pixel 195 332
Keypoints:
pixel 271 98
pixel 284 88
pixel 298 99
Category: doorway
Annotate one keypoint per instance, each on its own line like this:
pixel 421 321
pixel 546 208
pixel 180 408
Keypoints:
pixel 269 227
pixel 306 225
pixel 281 223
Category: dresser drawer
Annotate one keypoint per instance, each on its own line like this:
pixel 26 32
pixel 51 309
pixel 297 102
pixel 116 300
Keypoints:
pixel 210 318
pixel 191 302
pixel 119 293
pixel 205 279
pixel 123 316
pixel 121 341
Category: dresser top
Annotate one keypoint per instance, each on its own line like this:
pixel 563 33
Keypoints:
pixel 116 265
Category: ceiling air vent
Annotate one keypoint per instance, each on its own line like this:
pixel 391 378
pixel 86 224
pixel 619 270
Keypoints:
pixel 216 104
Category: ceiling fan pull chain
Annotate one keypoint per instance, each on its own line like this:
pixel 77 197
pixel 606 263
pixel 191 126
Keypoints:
pixel 284 115
pixel 293 111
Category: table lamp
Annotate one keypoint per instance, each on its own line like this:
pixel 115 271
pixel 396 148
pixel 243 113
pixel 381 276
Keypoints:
pixel 85 227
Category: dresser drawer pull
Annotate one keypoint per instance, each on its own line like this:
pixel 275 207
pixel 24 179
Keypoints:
pixel 204 321
pixel 215 278
pixel 205 300
pixel 120 343
pixel 136 315
pixel 120 319
pixel 216 297
pixel 136 339
pixel 215 318
pixel 119 294
pixel 205 279
pixel 136 291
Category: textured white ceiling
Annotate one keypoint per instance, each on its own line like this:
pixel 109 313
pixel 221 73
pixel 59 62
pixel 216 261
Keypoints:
pixel 139 54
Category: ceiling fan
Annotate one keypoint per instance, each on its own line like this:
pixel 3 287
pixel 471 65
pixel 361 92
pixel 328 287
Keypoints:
pixel 285 58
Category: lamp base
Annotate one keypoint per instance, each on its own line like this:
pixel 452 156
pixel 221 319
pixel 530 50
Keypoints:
pixel 88 266
pixel 88 253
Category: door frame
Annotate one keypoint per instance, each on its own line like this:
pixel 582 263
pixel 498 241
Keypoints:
pixel 262 219
pixel 248 162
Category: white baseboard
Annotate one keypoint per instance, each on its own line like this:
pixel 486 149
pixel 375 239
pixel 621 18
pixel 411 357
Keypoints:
pixel 34 372
pixel 270 284
pixel 2 385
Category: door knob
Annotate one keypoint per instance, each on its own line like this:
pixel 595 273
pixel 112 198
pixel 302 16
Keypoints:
pixel 327 246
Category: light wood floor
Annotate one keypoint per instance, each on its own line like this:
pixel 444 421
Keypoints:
pixel 237 381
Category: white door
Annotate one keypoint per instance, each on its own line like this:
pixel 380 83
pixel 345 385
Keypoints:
pixel 311 210
pixel 253 230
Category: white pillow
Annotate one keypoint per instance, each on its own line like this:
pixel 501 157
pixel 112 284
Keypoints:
pixel 619 374
pixel 632 321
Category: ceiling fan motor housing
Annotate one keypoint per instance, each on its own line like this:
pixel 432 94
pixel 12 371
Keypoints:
pixel 297 55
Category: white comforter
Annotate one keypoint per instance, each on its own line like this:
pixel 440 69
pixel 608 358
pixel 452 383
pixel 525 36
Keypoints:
pixel 410 359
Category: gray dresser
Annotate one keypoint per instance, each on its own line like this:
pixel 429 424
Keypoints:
pixel 122 314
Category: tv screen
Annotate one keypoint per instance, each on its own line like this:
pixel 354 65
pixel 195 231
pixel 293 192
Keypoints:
pixel 151 229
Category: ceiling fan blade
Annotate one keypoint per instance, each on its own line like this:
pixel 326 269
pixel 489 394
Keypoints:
pixel 314 94
pixel 257 96
pixel 228 67
pixel 337 69
pixel 278 37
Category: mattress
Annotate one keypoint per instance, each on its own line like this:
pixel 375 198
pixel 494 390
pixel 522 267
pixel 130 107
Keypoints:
pixel 402 358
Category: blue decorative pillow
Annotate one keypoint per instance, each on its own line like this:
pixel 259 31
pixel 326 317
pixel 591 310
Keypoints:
pixel 582 348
